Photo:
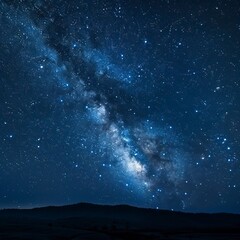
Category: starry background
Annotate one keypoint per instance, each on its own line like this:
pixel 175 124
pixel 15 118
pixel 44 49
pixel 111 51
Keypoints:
pixel 112 102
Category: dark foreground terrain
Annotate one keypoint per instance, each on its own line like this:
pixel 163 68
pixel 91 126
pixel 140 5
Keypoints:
pixel 88 221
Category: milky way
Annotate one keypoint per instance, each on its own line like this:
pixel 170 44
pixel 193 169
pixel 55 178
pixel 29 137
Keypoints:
pixel 120 102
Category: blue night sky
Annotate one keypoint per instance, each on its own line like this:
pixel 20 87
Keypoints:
pixel 111 102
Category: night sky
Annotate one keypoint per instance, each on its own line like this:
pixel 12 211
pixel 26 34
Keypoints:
pixel 120 102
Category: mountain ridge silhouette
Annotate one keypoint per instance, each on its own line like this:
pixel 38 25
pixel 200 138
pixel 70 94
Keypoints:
pixel 114 222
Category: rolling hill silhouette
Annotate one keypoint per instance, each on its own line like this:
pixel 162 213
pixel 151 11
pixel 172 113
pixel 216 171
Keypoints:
pixel 90 221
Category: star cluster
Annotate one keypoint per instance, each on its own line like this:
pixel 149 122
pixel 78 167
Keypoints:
pixel 112 102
